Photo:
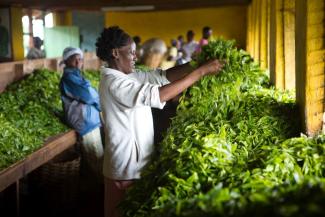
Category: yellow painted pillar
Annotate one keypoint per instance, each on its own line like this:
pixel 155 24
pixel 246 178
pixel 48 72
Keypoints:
pixel 272 45
pixel 253 17
pixel 310 52
pixel 276 44
pixel 279 64
pixel 289 44
pixel 257 30
pixel 17 33
pixel 263 35
pixel 252 26
pixel 249 29
pixel 62 18
pixel 268 30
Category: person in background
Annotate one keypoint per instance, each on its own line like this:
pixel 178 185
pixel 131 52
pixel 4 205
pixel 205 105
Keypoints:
pixel 82 109
pixel 126 97
pixel 173 50
pixel 171 55
pixel 180 42
pixel 180 58
pixel 36 52
pixel 206 34
pixel 190 46
pixel 154 50
pixel 139 51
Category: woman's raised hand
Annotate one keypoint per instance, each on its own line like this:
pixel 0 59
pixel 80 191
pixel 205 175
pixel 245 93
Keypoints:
pixel 211 67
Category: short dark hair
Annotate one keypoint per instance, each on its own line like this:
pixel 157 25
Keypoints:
pixel 38 42
pixel 173 42
pixel 206 31
pixel 190 33
pixel 137 39
pixel 111 38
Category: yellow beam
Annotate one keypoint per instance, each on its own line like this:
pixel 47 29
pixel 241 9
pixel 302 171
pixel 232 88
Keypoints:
pixel 263 35
pixel 252 26
pixel 268 31
pixel 249 29
pixel 289 44
pixel 272 45
pixel 62 18
pixel 279 62
pixel 301 57
pixel 310 64
pixel 257 39
pixel 17 33
pixel 277 74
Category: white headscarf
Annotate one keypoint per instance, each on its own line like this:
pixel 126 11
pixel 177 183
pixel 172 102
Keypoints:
pixel 70 51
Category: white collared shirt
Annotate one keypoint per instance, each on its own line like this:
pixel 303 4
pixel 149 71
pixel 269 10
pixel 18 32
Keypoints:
pixel 126 101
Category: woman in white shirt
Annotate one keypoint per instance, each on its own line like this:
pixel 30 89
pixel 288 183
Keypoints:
pixel 126 97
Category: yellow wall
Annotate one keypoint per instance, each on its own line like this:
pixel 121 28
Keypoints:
pixel 228 22
pixel 17 33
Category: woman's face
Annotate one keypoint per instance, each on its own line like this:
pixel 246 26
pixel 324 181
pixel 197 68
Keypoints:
pixel 74 61
pixel 126 58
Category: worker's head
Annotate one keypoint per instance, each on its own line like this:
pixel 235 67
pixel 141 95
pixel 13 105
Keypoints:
pixel 154 50
pixel 72 57
pixel 117 48
pixel 38 42
pixel 190 35
pixel 173 42
pixel 180 38
pixel 137 40
pixel 206 32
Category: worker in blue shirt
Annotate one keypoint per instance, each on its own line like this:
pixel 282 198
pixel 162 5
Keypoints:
pixel 82 109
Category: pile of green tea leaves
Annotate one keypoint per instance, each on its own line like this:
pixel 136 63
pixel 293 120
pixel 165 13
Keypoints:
pixel 28 115
pixel 233 149
pixel 31 112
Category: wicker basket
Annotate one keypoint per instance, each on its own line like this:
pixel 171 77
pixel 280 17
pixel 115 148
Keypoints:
pixel 91 166
pixel 57 182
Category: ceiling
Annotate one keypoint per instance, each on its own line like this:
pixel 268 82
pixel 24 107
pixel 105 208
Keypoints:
pixel 99 4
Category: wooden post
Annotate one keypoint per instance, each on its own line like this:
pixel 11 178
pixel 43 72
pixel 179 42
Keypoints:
pixel 257 21
pixel 272 42
pixel 301 34
pixel 289 44
pixel 253 17
pixel 310 62
pixel 249 29
pixel 279 62
pixel 30 28
pixel 263 35
pixel 268 31
pixel 19 71
pixel 276 44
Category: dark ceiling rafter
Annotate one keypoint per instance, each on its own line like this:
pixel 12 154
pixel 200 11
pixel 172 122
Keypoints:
pixel 98 4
